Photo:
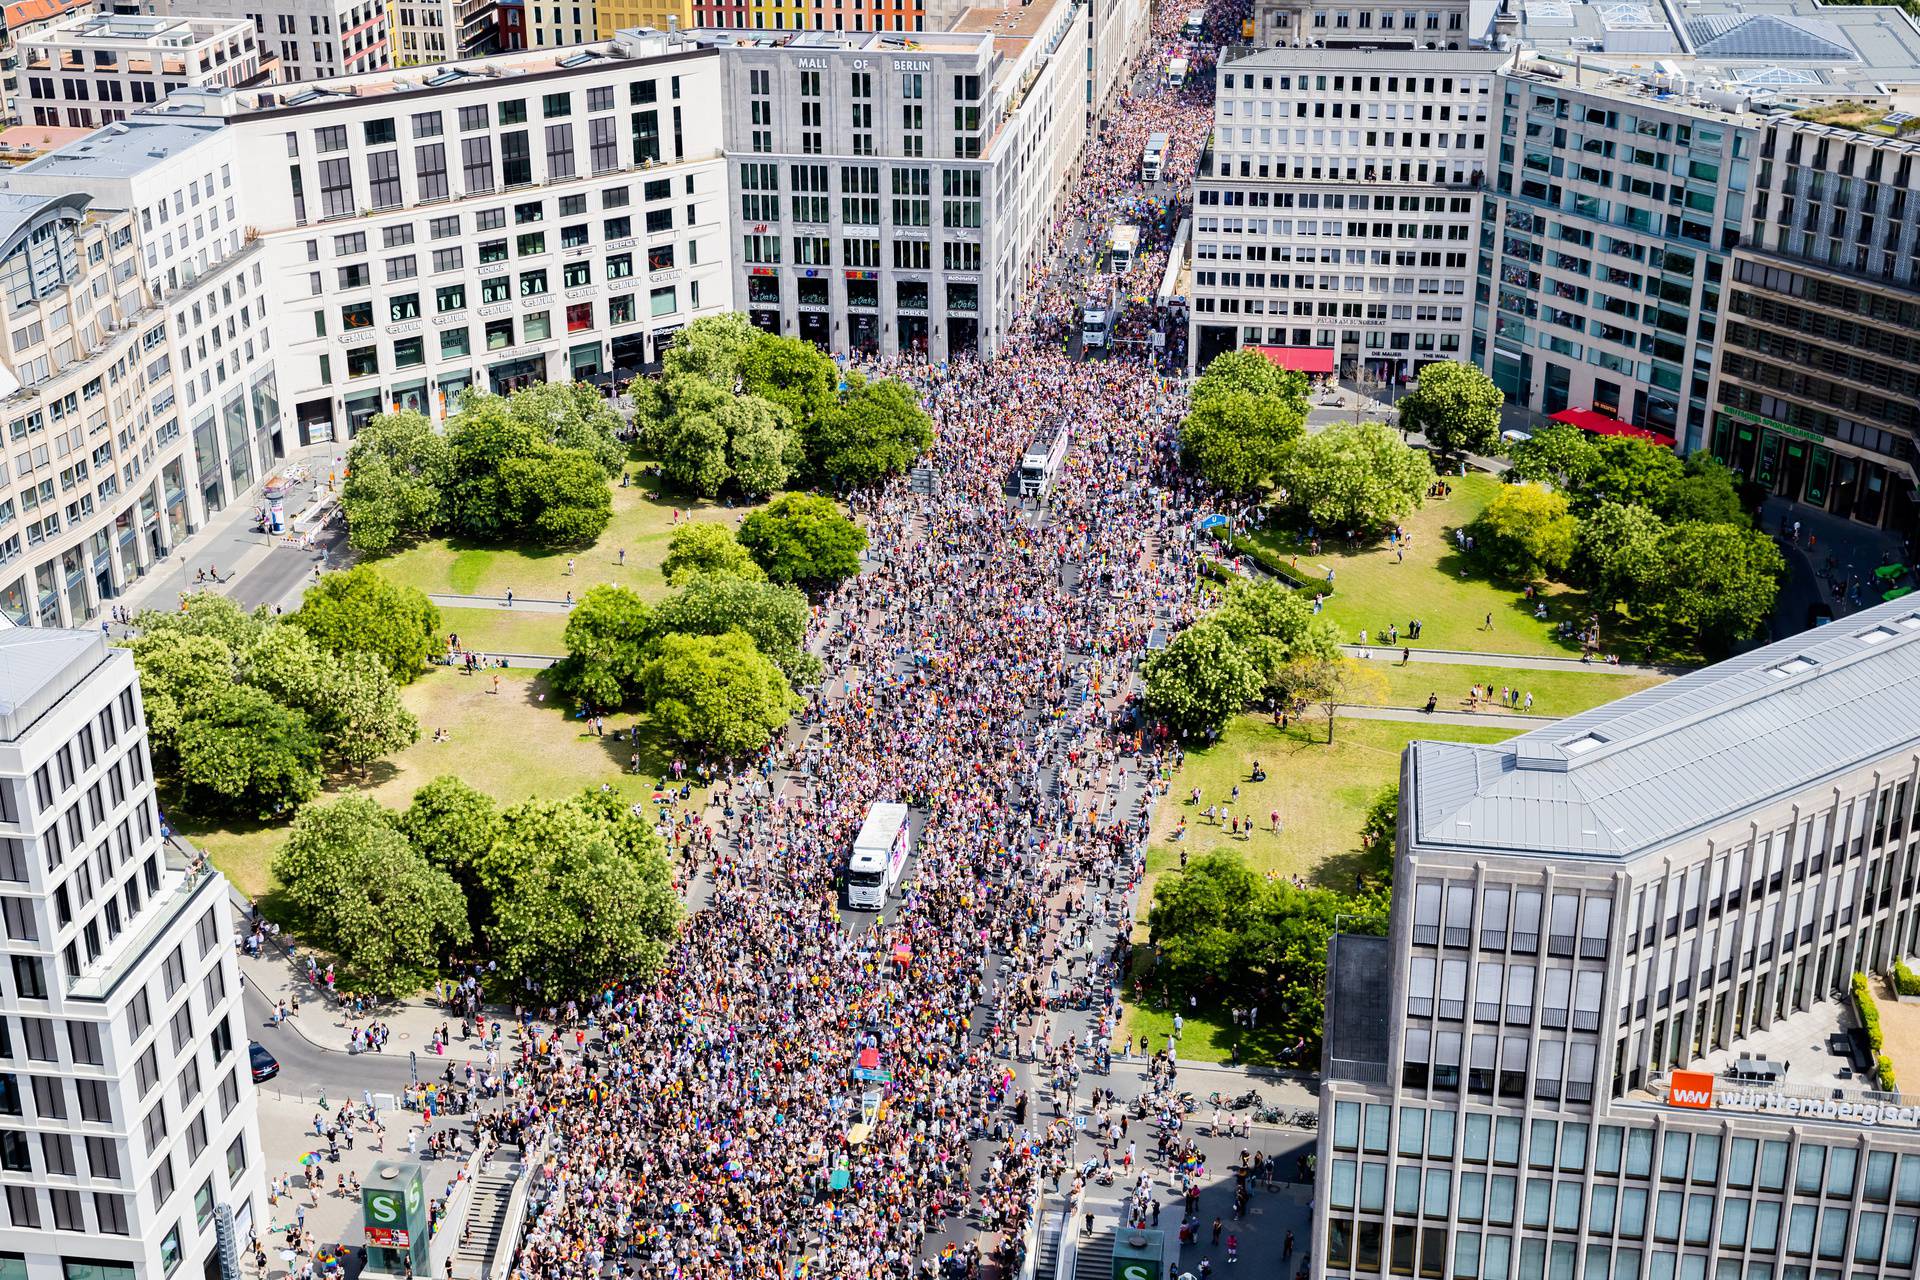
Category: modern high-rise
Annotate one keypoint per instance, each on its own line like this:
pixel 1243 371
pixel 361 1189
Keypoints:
pixel 1611 209
pixel 1610 1043
pixel 1337 205
pixel 892 192
pixel 129 1145
pixel 1817 391
pixel 311 39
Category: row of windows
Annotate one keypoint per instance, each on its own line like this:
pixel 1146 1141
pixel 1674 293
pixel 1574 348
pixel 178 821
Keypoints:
pixel 509 331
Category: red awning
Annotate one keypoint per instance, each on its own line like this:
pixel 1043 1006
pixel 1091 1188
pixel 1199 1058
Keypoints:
pixel 1602 425
pixel 1300 359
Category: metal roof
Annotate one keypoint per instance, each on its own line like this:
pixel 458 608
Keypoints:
pixel 38 666
pixel 1636 774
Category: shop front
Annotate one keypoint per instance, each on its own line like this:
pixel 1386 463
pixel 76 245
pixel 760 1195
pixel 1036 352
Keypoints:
pixel 509 376
pixel 1804 466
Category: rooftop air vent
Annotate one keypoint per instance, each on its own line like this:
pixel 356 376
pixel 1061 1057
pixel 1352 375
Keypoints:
pixel 1791 667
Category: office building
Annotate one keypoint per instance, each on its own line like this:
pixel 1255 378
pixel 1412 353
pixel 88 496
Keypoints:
pixel 1603 254
pixel 1610 1042
pixel 94 69
pixel 1817 390
pixel 18 20
pixel 1364 24
pixel 529 217
pixel 181 178
pixel 127 1108
pixel 1336 208
pixel 892 193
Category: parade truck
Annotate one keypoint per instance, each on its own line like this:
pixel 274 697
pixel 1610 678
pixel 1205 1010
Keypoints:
pixel 1122 244
pixel 1040 464
pixel 1176 72
pixel 1195 25
pixel 1154 158
pixel 1096 316
pixel 879 855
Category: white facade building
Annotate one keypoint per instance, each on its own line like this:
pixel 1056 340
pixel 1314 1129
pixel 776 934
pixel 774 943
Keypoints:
pixel 94 69
pixel 312 39
pixel 1338 207
pixel 532 217
pixel 900 206
pixel 128 1139
pixel 1605 1046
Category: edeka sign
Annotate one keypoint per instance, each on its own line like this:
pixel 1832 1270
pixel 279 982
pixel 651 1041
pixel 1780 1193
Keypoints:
pixel 1690 1089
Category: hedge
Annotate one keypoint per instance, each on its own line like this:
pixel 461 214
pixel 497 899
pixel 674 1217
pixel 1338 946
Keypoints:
pixel 1267 560
pixel 1869 1010
pixel 1905 980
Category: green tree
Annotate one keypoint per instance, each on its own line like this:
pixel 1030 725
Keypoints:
pixel 1199 919
pixel 1616 553
pixel 398 473
pixel 360 610
pixel 1274 624
pixel 1557 454
pixel 1633 472
pixel 804 539
pixel 1457 408
pixel 773 616
pixel 1236 440
pixel 1379 831
pixel 241 754
pixel 361 891
pixel 692 449
pixel 1201 679
pixel 702 546
pixel 762 452
pixel 1719 584
pixel 452 824
pixel 366 720
pixel 876 429
pixel 1526 530
pixel 573 415
pixel 1332 683
pixel 483 438
pixel 557 497
pixel 607 635
pixel 717 693
pixel 711 349
pixel 572 911
pixel 1250 372
pixel 792 373
pixel 1706 493
pixel 178 670
pixel 1355 476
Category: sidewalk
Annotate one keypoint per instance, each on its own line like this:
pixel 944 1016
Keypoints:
pixel 1523 661
pixel 232 543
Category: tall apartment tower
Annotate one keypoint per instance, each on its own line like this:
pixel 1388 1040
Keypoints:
pixel 1612 1040
pixel 129 1146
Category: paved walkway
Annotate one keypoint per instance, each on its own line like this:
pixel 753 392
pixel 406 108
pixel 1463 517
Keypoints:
pixel 1414 715
pixel 1525 661
pixel 518 603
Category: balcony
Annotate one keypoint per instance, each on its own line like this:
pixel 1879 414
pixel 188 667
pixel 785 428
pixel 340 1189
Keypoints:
pixel 186 880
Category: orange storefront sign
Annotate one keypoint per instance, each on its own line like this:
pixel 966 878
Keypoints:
pixel 1690 1089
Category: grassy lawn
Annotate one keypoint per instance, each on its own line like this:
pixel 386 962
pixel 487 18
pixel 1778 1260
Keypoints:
pixel 511 745
pixel 1555 693
pixel 643 519
pixel 1438 585
pixel 502 630
pixel 1322 792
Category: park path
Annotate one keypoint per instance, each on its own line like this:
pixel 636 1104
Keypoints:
pixel 523 604
pixel 1525 661
pixel 1414 715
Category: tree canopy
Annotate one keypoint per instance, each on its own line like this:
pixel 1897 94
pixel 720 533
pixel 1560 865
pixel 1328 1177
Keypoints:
pixel 875 429
pixel 774 617
pixel 1527 530
pixel 399 470
pixel 1457 408
pixel 803 539
pixel 608 631
pixel 1719 582
pixel 359 610
pixel 1355 476
pixel 245 712
pixel 716 692
pixel 1245 413
pixel 362 890
pixel 1201 679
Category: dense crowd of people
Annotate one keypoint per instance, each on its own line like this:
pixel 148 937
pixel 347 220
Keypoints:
pixel 719 1122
